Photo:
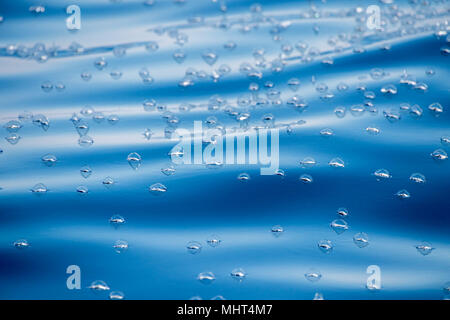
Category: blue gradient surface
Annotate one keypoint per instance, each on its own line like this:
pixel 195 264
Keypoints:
pixel 66 228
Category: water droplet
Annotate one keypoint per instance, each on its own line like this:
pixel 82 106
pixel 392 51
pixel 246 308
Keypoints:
pixel 326 246
pixel 445 140
pixel 238 274
pixel 415 111
pixel 277 230
pixel 336 163
pixel 116 220
pixel 280 173
pixel 417 177
pixel 168 171
pixel 179 56
pixel 82 190
pixel 39 189
pixel 134 159
pixel 120 246
pixel 157 189
pixel 99 285
pixel 382 174
pixel 327 132
pixel 424 248
pixel 85 141
pixel 21 244
pixel 85 172
pixel 308 162
pixel 116 74
pixel 119 51
pixel 213 240
pixel 47 86
pixel 49 160
pixel 151 46
pixel 13 138
pixel 108 182
pixel 392 115
pixel 100 63
pixel 357 110
pixel 343 212
pixel 210 57
pixel 389 89
pixel 361 239
pixel 13 126
pixel 60 87
pixel 98 117
pixel 306 178
pixel 243 177
pixel 294 84
pixel 339 226
pixel 340 112
pixel 313 275
pixel 116 295
pixel 403 194
pixel 82 128
pixel 113 119
pixel 436 108
pixel 439 155
pixel 194 247
pixel 206 277
pixel 86 76
pixel 372 130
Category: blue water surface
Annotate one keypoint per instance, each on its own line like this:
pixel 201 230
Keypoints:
pixel 64 227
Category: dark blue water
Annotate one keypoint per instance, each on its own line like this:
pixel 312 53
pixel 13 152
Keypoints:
pixel 64 227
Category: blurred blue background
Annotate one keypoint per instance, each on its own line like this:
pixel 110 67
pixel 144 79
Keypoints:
pixel 66 228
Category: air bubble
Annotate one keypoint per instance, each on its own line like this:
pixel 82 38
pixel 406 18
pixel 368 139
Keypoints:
pixel 277 230
pixel 120 246
pixel 13 126
pixel 206 277
pixel 306 178
pixel 21 244
pixel 339 226
pixel 439 155
pixel 326 246
pixel 238 274
pixel 108 182
pixel 336 163
pixel 343 212
pixel 82 190
pixel 85 141
pixel 157 189
pixel 134 160
pixel 424 248
pixel 117 220
pixel 382 174
pixel 39 189
pixel 313 275
pixel 361 239
pixel 436 108
pixel 417 178
pixel 49 160
pixel 194 247
pixel 116 295
pixel 98 286
pixel 403 194
pixel 213 241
